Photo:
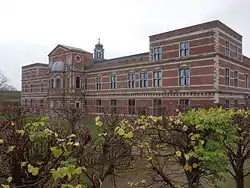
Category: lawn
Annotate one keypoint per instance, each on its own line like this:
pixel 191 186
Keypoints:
pixel 10 96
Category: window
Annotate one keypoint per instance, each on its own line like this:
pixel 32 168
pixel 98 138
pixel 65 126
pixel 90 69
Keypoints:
pixel 131 80
pixel 157 53
pixel 184 49
pixel 77 105
pixel 52 83
pixel 246 80
pixel 236 81
pixel 98 83
pixel 31 102
pixel 26 88
pixel 99 108
pixel 41 87
pixel 157 107
pixel 184 103
pixel 113 84
pixel 157 78
pixel 236 104
pixel 143 79
pixel 86 84
pixel 236 51
pixel 26 102
pixel 78 82
pixel 58 83
pixel 113 106
pixel 68 82
pixel 184 77
pixel 41 102
pixel 227 48
pixel 31 87
pixel 227 76
pixel 227 105
pixel 131 106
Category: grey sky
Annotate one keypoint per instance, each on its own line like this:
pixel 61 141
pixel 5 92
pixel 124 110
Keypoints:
pixel 30 29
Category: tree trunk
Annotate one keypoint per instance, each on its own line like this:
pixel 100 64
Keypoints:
pixel 239 179
pixel 193 180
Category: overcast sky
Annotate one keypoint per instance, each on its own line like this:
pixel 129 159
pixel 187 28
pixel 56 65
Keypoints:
pixel 30 29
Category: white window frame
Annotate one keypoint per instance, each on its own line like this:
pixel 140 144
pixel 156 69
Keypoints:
pixel 236 78
pixel 184 80
pixel 157 53
pixel 98 80
pixel 227 49
pixel 143 80
pixel 113 81
pixel 157 78
pixel 227 77
pixel 131 82
pixel 184 49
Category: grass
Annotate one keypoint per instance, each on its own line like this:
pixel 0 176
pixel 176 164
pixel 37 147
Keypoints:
pixel 10 96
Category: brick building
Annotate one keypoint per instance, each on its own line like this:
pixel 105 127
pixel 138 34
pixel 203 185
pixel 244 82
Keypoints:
pixel 201 64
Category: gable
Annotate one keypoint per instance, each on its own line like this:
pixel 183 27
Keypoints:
pixel 58 50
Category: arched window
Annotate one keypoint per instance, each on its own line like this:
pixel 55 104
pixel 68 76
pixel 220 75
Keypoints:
pixel 78 82
pixel 58 83
pixel 52 83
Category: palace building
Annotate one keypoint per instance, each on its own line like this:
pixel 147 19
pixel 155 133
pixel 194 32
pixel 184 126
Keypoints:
pixel 200 64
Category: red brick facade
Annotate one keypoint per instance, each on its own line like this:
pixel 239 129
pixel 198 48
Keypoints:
pixel 201 64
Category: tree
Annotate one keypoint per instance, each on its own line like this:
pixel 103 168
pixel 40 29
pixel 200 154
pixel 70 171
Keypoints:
pixel 3 81
pixel 33 155
pixel 195 140
pixel 4 86
pixel 107 154
pixel 241 153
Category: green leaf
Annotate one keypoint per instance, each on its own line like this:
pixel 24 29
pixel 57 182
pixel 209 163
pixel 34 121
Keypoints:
pixel 56 152
pixel 23 164
pixel 121 131
pixel 1 141
pixel 71 136
pixel 21 132
pixel 185 128
pixel 10 149
pixel 99 124
pixel 5 186
pixel 129 135
pixel 9 179
pixel 78 170
pixel 67 186
pixel 178 153
pixel 187 157
pixel 33 170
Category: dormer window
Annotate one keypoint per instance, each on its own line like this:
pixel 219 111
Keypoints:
pixel 157 53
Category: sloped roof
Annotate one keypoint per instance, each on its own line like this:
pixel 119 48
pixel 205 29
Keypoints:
pixel 75 49
pixel 69 48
